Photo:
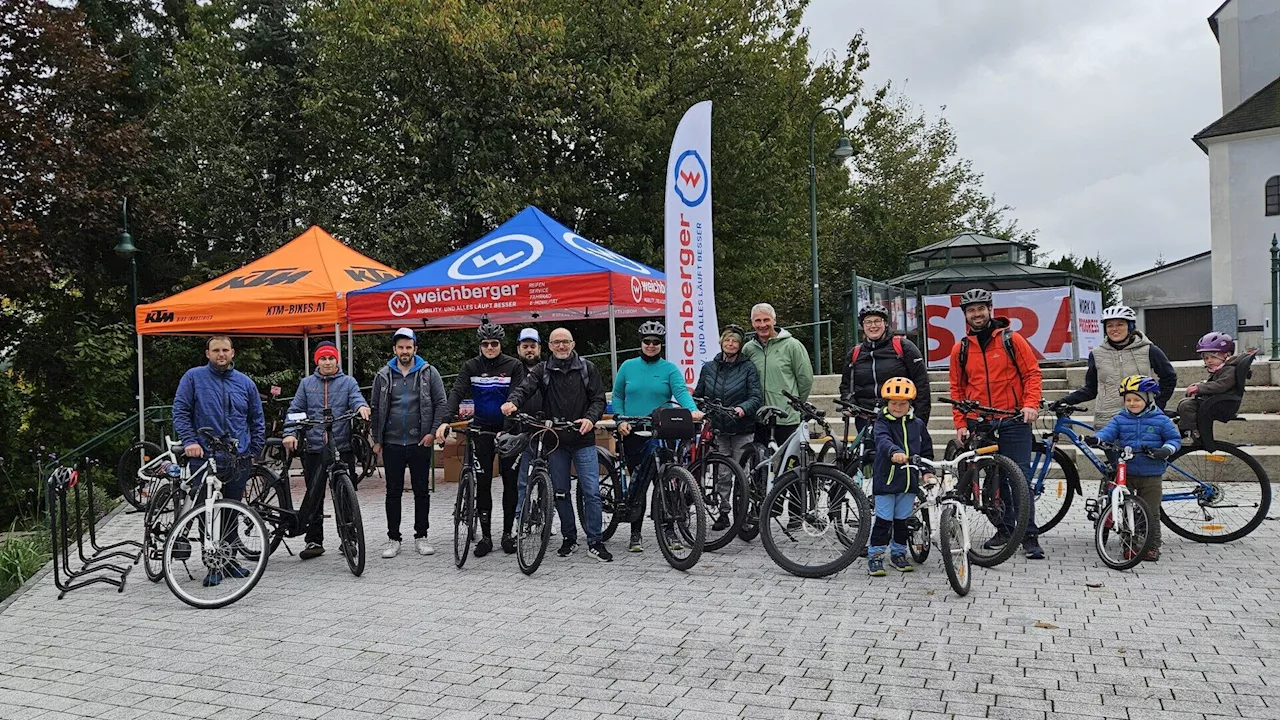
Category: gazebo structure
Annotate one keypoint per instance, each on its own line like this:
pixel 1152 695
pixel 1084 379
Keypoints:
pixel 973 260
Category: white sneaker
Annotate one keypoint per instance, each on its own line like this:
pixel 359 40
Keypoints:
pixel 391 549
pixel 423 547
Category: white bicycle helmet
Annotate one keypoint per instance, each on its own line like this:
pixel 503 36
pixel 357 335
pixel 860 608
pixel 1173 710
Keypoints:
pixel 1119 312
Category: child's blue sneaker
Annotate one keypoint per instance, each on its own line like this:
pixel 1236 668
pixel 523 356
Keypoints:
pixel 900 563
pixel 875 565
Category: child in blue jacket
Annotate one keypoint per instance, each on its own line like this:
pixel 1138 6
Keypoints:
pixel 899 435
pixel 1143 426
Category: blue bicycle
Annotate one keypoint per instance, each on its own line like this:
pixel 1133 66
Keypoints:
pixel 1209 497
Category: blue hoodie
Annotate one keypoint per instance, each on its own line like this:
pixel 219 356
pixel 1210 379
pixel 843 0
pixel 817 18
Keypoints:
pixel 225 400
pixel 1149 429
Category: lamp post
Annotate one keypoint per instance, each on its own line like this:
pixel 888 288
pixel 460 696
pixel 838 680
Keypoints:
pixel 842 151
pixel 1275 296
pixel 127 250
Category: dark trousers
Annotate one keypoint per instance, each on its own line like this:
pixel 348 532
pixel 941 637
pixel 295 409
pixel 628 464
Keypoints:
pixel 1149 489
pixel 313 473
pixel 483 447
pixel 417 458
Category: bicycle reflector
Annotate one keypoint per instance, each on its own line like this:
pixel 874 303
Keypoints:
pixel 1216 458
pixel 988 449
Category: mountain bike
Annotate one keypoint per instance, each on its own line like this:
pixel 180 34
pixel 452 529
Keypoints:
pixel 853 453
pixel 274 455
pixel 993 485
pixel 537 509
pixel 225 537
pixel 465 515
pixel 942 499
pixel 1121 520
pixel 815 520
pixel 275 502
pixel 762 463
pixel 170 483
pixel 1209 497
pixel 134 485
pixel 721 478
pixel 362 448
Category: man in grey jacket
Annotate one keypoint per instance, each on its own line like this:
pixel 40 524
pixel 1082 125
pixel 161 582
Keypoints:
pixel 408 404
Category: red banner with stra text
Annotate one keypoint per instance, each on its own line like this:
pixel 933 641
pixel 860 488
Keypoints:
pixel 1043 317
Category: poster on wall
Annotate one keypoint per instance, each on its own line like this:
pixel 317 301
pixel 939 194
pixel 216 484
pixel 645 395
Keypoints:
pixel 1088 306
pixel 1043 317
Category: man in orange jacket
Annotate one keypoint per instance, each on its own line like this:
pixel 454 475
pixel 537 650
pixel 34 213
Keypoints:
pixel 1000 370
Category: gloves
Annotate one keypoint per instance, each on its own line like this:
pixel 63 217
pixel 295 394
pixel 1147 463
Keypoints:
pixel 1091 441
pixel 1160 453
pixel 1053 407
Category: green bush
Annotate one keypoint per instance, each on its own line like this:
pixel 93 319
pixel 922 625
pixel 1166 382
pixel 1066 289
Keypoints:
pixel 21 556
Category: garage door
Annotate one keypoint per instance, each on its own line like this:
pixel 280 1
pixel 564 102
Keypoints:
pixel 1176 330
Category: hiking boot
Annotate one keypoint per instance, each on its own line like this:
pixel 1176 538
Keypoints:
pixel 312 550
pixel 391 549
pixel 568 547
pixel 508 543
pixel 900 563
pixel 635 545
pixel 721 523
pixel 424 548
pixel 598 551
pixel 999 540
pixel 484 546
pixel 1153 555
pixel 1031 546
pixel 875 565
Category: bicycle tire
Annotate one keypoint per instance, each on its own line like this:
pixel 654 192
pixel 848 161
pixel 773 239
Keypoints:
pixel 155 528
pixel 830 452
pixel 533 532
pixel 1172 515
pixel 955 557
pixel 920 536
pixel 672 496
pixel 127 467
pixel 1063 489
pixel 268 490
pixel 464 514
pixel 752 455
pixel 350 523
pixel 704 473
pixel 992 490
pixel 851 547
pixel 222 556
pixel 609 494
pixel 1129 555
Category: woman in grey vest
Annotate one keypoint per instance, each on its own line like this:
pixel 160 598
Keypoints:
pixel 1125 352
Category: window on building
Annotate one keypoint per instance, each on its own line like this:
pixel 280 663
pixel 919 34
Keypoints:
pixel 1273 195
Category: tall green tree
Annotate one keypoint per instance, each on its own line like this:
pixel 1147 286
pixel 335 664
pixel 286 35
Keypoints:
pixel 1097 268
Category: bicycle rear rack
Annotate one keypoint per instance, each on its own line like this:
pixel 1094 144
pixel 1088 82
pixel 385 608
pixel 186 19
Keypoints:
pixel 64 481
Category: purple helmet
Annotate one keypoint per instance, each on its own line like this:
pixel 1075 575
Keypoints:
pixel 1216 342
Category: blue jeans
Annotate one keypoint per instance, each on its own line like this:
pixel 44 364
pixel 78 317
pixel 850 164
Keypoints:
pixel 890 528
pixel 1015 443
pixel 585 462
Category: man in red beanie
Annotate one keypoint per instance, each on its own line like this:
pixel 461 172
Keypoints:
pixel 327 388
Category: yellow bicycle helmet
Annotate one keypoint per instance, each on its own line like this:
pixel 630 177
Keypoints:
pixel 898 389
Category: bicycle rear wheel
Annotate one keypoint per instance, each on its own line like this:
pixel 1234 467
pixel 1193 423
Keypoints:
pixel 1002 506
pixel 1122 536
pixel 155 529
pixel 708 471
pixel 133 487
pixel 815 521
pixel 1053 499
pixel 920 534
pixel 346 515
pixel 464 516
pixel 753 455
pixel 610 496
pixel 208 561
pixel 679 518
pixel 951 544
pixel 267 490
pixel 533 531
pixel 1214 497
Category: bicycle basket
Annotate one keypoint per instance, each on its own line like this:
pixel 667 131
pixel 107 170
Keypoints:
pixel 673 423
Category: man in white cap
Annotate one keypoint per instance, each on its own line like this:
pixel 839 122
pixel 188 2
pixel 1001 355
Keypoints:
pixel 408 404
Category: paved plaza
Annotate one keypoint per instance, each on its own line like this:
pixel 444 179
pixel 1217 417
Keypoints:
pixel 1195 636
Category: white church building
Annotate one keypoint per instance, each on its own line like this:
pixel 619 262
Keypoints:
pixel 1244 167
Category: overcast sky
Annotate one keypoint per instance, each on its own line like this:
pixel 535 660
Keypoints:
pixel 1078 112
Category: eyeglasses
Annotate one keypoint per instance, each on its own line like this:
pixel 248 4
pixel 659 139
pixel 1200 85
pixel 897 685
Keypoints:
pixel 651 341
pixel 490 344
pixel 560 342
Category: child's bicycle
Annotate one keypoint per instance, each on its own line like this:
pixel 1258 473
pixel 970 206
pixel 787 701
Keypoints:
pixel 942 500
pixel 1121 520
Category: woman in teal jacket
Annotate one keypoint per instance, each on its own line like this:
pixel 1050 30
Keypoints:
pixel 642 385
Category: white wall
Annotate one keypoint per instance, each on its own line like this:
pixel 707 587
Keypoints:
pixel 1248 37
pixel 1182 285
pixel 1241 231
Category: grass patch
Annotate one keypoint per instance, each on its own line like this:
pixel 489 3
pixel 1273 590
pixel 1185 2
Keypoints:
pixel 21 556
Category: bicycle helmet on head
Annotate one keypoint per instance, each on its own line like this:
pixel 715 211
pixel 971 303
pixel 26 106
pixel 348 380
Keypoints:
pixel 898 388
pixel 976 296
pixel 652 328
pixel 490 331
pixel 734 329
pixel 1144 387
pixel 1216 342
pixel 1119 312
pixel 873 309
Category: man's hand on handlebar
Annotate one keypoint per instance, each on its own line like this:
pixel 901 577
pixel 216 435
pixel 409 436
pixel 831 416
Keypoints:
pixel 194 450
pixel 962 434
pixel 740 412
pixel 290 443
pixel 509 408
pixel 624 429
pixel 1029 415
pixel 698 415
pixel 584 425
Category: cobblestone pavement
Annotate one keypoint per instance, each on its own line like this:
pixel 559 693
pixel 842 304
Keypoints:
pixel 1195 636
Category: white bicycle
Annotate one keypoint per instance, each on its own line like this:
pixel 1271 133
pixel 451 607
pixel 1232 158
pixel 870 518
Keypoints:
pixel 944 498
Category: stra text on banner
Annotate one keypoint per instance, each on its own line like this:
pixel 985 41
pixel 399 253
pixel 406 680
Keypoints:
pixel 1043 317
pixel 692 330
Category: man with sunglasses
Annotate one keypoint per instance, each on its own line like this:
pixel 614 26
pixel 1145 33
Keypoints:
pixel 487 380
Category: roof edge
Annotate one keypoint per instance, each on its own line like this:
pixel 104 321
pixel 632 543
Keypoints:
pixel 1166 266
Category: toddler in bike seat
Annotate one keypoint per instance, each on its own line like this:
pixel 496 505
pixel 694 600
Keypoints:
pixel 899 435
pixel 1142 426
pixel 1215 351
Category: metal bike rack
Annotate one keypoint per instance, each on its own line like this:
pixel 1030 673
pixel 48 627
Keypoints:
pixel 61 482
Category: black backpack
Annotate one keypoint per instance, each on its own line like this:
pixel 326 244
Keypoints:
pixel 1006 337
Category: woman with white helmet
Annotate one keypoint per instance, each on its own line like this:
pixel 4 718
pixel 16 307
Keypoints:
pixel 1124 352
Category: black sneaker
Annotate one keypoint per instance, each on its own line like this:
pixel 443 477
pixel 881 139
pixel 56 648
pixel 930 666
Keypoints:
pixel 484 546
pixel 1031 546
pixel 599 552
pixel 999 540
pixel 312 550
pixel 508 543
pixel 568 547
pixel 721 523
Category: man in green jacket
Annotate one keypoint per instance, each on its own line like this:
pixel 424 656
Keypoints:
pixel 783 365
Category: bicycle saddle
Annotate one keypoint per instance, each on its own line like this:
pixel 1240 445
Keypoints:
pixel 769 414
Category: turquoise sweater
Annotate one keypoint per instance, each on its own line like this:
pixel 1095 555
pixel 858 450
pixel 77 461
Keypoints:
pixel 642 387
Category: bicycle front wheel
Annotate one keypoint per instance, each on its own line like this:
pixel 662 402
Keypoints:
pixel 723 485
pixel 815 521
pixel 919 534
pixel 679 518
pixel 610 496
pixel 1052 499
pixel 1002 503
pixel 132 485
pixel 464 516
pixel 533 531
pixel 346 514
pixel 209 562
pixel 1122 535
pixel 951 544
pixel 156 526
pixel 1214 497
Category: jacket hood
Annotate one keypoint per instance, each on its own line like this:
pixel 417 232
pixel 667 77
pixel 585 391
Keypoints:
pixel 783 334
pixel 418 364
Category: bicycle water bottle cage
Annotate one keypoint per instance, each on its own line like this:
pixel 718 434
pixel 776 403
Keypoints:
pixel 769 414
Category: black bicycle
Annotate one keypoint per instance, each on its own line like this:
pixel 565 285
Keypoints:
pixel 274 502
pixel 721 478
pixel 537 510
pixel 465 516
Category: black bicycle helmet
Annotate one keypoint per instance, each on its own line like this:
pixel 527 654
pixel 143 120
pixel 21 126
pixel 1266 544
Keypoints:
pixel 873 309
pixel 976 296
pixel 736 329
pixel 510 444
pixel 489 331
pixel 652 328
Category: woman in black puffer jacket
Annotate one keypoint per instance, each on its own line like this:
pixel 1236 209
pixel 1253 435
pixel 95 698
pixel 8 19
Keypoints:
pixel 731 380
pixel 879 357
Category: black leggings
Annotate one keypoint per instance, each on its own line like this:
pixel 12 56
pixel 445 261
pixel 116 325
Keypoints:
pixel 483 447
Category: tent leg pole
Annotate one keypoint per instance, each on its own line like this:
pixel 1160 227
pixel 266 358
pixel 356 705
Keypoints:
pixel 613 341
pixel 142 405
pixel 306 355
pixel 351 359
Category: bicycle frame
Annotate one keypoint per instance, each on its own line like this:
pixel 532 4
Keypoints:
pixel 779 457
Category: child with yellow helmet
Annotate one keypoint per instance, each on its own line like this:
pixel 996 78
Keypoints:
pixel 899 435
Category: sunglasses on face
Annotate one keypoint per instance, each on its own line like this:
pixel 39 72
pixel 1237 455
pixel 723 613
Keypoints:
pixel 651 342
pixel 490 344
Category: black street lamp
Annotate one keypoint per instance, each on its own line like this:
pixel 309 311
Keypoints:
pixel 126 249
pixel 842 151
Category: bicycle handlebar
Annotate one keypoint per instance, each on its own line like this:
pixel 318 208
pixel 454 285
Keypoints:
pixel 219 442
pixel 804 407
pixel 856 409
pixel 972 406
pixel 713 407
pixel 323 422
pixel 544 423
pixel 1062 410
